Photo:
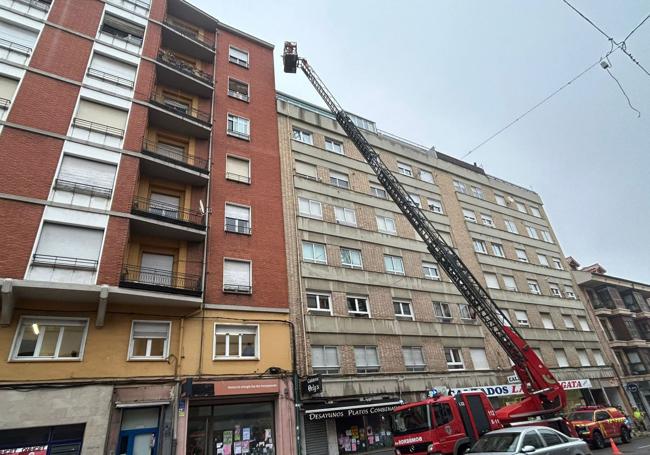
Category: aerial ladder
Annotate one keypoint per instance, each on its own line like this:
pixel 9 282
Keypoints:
pixel 543 394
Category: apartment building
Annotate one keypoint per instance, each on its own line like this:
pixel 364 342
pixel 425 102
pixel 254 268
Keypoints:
pixel 622 308
pixel 378 319
pixel 144 296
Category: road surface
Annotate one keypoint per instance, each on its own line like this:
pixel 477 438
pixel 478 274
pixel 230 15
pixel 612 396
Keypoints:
pixel 638 446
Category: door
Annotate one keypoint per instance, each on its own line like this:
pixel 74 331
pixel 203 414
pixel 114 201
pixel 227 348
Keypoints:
pixel 138 442
pixel 603 419
pixel 156 269
pixel 164 205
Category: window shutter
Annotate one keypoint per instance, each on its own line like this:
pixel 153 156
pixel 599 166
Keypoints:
pixel 88 172
pixel 306 169
pixel 164 200
pixel 237 166
pixel 479 359
pixel 371 356
pixel 19 35
pixel 331 357
pixel 7 87
pixel 238 54
pixel 104 115
pixel 150 330
pixel 235 329
pixel 237 212
pixel 161 262
pixel 317 357
pixel 70 241
pixel 236 272
pixel 408 356
pixel 112 66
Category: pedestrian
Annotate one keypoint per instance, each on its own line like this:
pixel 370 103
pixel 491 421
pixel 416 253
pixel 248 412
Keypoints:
pixel 639 418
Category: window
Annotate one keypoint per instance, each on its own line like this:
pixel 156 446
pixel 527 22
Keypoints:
pixel 119 32
pixel 405 169
pixel 351 258
pixel 542 260
pixel 413 358
pixel 366 359
pixel 238 169
pixel 487 220
pixel 479 359
pixel 441 310
pixel 149 340
pixel 511 226
pixel 333 146
pixel 378 192
pixel 238 57
pixel 509 283
pixel 454 359
pixel 583 357
pixel 520 206
pixel 99 119
pixel 237 277
pixel 555 290
pixel 238 219
pixel 386 225
pixel 569 292
pixel 522 318
pixel 319 302
pixel 306 170
pixel 416 199
pixel 426 176
pixel 469 215
pixel 339 179
pixel 492 281
pixel 598 357
pixel 459 186
pixel 310 208
pixel 235 341
pixel 430 271
pixel 568 321
pixel 546 236
pixel 358 306
pixel 83 176
pixel 325 359
pixel 238 126
pixel 111 70
pixel 238 89
pixel 584 325
pixel 314 252
pixel 500 200
pixel 532 232
pixel 557 263
pixel 394 264
pixel 403 310
pixel 497 249
pixel 50 339
pixel 535 211
pixel 547 322
pixel 532 439
pixel 345 215
pixel 7 90
pixel 533 287
pixel 465 311
pixel 480 247
pixel 303 136
pixel 551 437
pixel 477 191
pixel 521 255
pixel 434 205
pixel 560 356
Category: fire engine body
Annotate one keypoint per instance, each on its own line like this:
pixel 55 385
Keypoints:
pixel 472 412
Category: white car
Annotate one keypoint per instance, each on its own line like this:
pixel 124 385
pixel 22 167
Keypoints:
pixel 536 440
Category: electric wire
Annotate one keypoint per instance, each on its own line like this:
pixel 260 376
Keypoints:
pixel 635 28
pixel 588 20
pixel 638 113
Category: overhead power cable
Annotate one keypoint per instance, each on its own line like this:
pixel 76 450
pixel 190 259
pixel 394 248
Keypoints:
pixel 635 28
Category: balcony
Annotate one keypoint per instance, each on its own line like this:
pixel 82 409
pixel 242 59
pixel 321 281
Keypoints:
pixel 167 212
pixel 135 6
pixel 170 59
pixel 187 32
pixel 96 132
pixel 157 280
pixel 186 40
pixel 14 52
pixel 178 116
pixel 45 267
pixel 175 156
pixel 110 78
pixel 4 104
pixel 34 8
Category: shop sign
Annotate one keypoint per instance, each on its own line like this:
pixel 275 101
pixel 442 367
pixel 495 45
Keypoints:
pixel 514 379
pixel 312 385
pixel 335 413
pixel 34 450
pixel 515 389
pixel 244 387
pixel 633 387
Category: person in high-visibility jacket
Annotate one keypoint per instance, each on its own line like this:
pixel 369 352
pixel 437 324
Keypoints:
pixel 639 418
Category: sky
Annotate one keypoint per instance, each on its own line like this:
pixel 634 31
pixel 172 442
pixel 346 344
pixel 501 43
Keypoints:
pixel 449 74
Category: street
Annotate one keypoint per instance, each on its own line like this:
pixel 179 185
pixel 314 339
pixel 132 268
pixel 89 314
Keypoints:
pixel 638 446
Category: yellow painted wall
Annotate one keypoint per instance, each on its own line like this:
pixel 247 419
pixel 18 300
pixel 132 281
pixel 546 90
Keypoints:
pixel 139 244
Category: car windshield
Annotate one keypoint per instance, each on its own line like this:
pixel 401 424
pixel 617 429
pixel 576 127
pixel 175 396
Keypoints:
pixel 582 415
pixel 499 442
pixel 411 420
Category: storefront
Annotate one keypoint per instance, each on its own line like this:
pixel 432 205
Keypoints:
pixel 43 440
pixel 348 427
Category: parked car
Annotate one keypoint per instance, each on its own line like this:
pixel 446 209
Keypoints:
pixel 529 439
pixel 596 424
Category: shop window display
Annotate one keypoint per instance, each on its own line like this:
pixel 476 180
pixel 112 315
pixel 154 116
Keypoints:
pixel 238 429
pixel 365 433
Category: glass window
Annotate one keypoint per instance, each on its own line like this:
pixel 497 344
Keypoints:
pixel 309 207
pixel 569 292
pixel 434 205
pixel 430 271
pixel 492 281
pixel 306 170
pixel 479 359
pixel 551 438
pixel 238 56
pixel 500 200
pixel 561 358
pixel 469 215
pixel 345 215
pixel 378 192
pixel 520 206
pixel 358 307
pixel 237 276
pixel 238 89
pixel 555 290
pixel 394 264
pixel 522 318
pixel 557 263
pixel 547 321
pixel 386 225
pixel 426 176
pixel 465 311
pixel 511 226
pixel 351 258
pixel 497 442
pixel 568 321
pixel 238 219
pixel 235 341
pixel 583 357
pixel 339 179
pixel 454 359
pixel 238 169
pixel 459 186
pixel 480 246
pixel 405 169
pixel 546 236
pixel 521 255
pixel 531 438
pixel 149 340
pixel 238 126
pixel 403 310
pixel 532 232
pixel 487 219
pixel 477 191
pixel 333 146
pixel 535 212
pixel 441 310
pixel 509 283
pixel 303 136
pixel 366 359
pixel 598 357
pixel 543 261
pixel 584 325
pixel 416 200
pixel 314 252
pixel 498 251
pixel 413 358
pixel 54 339
pixel 325 359
pixel 442 414
pixel 319 302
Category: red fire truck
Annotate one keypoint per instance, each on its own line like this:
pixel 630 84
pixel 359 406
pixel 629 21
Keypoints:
pixel 448 425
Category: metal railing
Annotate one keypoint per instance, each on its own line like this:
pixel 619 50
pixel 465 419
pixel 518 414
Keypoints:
pixel 237 289
pixel 135 276
pixel 172 155
pixel 165 102
pixel 10 45
pixel 169 58
pixel 4 103
pixel 63 262
pixel 237 226
pixel 36 4
pixel 166 212
pixel 187 32
pixel 238 95
pixel 133 4
pixel 82 188
pixel 99 127
pixel 237 177
pixel 110 78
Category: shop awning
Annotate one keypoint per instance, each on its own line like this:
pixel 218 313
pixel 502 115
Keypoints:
pixel 141 404
pixel 381 404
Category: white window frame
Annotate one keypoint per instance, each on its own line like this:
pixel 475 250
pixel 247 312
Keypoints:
pixel 480 246
pixel 546 236
pixel 555 290
pixel 245 228
pixel 415 367
pixel 557 263
pixel 495 283
pixel 349 215
pixel 336 178
pixel 535 211
pixel 148 356
pixel 500 200
pixel 435 205
pixel 27 322
pixel 318 296
pixel 498 250
pixel 487 220
pixel 584 358
pixel 236 60
pixel 417 201
pixel 477 192
pixel 402 315
pixel 236 177
pixel 325 369
pixel 532 232
pixel 311 203
pixel 466 315
pixel 227 286
pixel 469 215
pixel 584 324
pixel 356 312
pixel 352 265
pixel 376 190
pixel 505 284
pixel 442 310
pixel 385 219
pixel 429 176
pixel 393 260
pixel 598 357
pixel 459 186
pixel 547 321
pixel 521 257
pixel 570 293
pixel 313 260
pixel 239 356
pixel 568 322
pixel 238 95
pixel 302 135
pixel 367 368
pixel 456 356
pixel 332 144
pixel 405 169
pixel 533 287
pixel 426 266
pixel 236 119
pixel 543 260
pixel 511 226
pixel 563 359
pixel 522 318
pixel 521 207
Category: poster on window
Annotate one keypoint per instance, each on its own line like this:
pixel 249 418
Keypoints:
pixel 35 450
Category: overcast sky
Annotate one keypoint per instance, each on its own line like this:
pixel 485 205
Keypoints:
pixel 451 73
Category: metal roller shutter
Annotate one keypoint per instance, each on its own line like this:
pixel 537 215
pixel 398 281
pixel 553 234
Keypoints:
pixel 316 437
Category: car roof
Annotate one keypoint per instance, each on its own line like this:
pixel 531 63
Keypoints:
pixel 520 429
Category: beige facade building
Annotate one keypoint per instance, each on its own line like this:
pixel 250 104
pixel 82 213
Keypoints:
pixel 375 315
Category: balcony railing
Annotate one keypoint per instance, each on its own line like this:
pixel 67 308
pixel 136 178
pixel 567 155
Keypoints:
pixel 170 59
pixel 237 289
pixel 99 127
pixel 4 103
pixel 42 5
pixel 82 188
pixel 15 47
pixel 113 79
pixel 152 279
pixel 238 95
pixel 238 177
pixel 237 226
pixel 179 108
pixel 172 155
pixel 167 212
pixel 63 262
pixel 188 32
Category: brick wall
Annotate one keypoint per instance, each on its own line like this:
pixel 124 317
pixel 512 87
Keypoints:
pixel 20 222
